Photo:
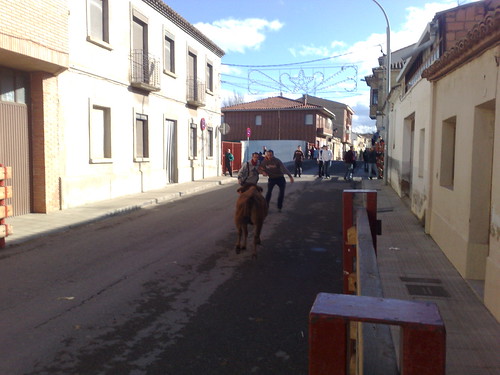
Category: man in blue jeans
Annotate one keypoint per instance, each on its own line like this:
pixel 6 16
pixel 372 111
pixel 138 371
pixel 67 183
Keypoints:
pixel 275 170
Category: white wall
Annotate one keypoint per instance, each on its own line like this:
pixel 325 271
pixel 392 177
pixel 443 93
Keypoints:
pixel 283 150
pixel 405 157
pixel 100 75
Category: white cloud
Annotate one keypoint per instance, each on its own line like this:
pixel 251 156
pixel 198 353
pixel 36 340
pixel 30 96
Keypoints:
pixel 239 35
pixel 337 43
pixel 416 22
pixel 365 53
pixel 310 51
pixel 231 70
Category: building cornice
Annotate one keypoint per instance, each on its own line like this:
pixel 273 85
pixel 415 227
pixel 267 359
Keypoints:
pixel 184 25
pixel 483 35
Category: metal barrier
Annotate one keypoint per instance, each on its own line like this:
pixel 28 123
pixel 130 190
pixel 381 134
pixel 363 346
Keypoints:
pixel 350 333
pixel 5 210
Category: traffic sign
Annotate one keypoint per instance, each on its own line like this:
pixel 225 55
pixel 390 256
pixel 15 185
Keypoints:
pixel 203 125
pixel 249 132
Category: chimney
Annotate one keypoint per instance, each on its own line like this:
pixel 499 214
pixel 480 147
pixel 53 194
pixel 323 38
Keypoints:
pixel 304 98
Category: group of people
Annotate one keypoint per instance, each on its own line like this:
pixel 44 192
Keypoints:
pixel 370 159
pixel 323 157
pixel 266 164
pixel 275 170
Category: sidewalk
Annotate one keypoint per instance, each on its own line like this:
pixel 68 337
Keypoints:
pixel 412 267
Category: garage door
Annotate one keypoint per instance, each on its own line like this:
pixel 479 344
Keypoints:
pixel 14 152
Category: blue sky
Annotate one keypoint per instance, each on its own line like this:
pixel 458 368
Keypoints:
pixel 321 47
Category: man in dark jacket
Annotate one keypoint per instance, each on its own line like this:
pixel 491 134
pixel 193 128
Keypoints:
pixel 298 157
pixel 275 170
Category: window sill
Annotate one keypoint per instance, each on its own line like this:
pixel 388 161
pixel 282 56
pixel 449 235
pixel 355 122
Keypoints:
pixel 101 161
pixel 169 73
pixel 100 43
pixel 141 160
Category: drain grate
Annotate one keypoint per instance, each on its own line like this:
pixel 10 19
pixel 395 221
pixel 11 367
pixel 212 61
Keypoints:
pixel 427 290
pixel 385 209
pixel 422 280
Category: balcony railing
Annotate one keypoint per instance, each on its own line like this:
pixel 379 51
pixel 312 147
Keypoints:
pixel 324 132
pixel 145 71
pixel 413 79
pixel 195 93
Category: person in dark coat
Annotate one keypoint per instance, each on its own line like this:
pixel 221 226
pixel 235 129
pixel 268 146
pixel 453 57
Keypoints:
pixel 372 163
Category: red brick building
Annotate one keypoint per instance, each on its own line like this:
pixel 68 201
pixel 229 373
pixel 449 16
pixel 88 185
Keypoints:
pixel 279 118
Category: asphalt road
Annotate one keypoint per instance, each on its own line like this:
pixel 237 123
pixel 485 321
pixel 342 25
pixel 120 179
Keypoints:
pixel 162 291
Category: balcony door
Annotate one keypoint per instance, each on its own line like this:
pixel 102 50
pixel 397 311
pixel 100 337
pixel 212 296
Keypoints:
pixel 140 49
pixel 192 77
pixel 170 150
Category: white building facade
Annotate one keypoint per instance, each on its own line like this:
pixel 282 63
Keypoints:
pixel 444 141
pixel 140 101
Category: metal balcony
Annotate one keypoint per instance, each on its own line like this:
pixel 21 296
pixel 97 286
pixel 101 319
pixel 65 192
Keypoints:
pixel 145 71
pixel 195 93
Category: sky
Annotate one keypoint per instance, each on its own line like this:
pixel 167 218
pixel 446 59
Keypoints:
pixel 324 48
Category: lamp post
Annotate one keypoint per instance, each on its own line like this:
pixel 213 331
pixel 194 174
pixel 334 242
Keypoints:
pixel 388 89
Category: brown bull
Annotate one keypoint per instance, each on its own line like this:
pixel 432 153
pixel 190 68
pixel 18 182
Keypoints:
pixel 251 208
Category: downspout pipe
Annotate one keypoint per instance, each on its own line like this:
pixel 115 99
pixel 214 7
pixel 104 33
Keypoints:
pixel 432 35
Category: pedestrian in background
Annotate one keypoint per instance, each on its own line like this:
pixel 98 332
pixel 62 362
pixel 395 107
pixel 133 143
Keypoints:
pixel 275 170
pixel 229 162
pixel 326 157
pixel 315 153
pixel 349 159
pixel 365 159
pixel 372 163
pixel 319 161
pixel 311 153
pixel 298 157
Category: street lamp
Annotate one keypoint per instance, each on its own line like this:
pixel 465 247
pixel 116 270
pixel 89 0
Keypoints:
pixel 388 90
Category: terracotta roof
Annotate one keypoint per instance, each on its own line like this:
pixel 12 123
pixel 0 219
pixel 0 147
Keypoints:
pixel 328 104
pixel 277 102
pixel 482 36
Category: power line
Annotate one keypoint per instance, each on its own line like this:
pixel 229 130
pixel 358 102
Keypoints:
pixel 288 64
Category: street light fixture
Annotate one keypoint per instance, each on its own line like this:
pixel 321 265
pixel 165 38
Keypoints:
pixel 388 89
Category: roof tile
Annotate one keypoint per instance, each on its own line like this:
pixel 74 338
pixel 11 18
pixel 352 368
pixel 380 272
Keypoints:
pixel 277 102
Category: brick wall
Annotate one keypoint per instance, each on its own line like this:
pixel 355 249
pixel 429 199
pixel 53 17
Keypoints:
pixel 460 21
pixel 42 23
pixel 46 136
pixel 277 125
